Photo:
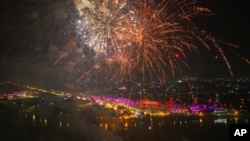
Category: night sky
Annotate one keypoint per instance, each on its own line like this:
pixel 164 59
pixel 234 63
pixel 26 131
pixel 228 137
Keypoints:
pixel 34 32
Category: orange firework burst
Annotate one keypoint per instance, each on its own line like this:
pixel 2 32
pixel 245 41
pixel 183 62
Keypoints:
pixel 143 40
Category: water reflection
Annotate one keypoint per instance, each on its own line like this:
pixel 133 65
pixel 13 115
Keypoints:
pixel 169 128
pixel 236 120
pixel 220 120
pixel 60 124
pixel 33 117
pixel 178 121
pixel 45 122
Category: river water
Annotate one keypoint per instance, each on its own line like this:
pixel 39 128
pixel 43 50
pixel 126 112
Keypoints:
pixel 169 128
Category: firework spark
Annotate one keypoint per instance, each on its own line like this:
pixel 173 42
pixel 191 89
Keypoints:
pixel 143 40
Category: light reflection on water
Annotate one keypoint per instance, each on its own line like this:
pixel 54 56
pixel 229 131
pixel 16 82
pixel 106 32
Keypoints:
pixel 178 121
pixel 169 128
pixel 179 128
pixel 150 123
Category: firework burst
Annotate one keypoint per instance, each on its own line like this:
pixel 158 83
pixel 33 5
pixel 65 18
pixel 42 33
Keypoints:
pixel 142 40
pixel 103 24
